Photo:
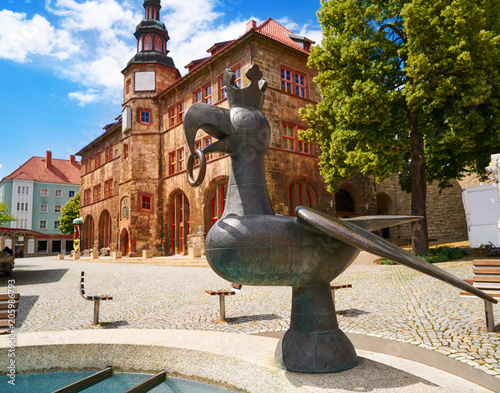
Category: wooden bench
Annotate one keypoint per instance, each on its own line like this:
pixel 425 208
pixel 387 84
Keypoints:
pixel 9 304
pixel 222 293
pixel 486 278
pixel 334 286
pixel 96 299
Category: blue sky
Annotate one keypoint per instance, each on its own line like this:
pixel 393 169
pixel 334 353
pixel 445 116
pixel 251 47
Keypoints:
pixel 60 61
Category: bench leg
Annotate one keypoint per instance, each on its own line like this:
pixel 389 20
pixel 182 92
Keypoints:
pixel 490 319
pixel 97 304
pixel 222 308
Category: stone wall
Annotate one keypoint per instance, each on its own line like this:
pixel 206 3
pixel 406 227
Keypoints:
pixel 445 211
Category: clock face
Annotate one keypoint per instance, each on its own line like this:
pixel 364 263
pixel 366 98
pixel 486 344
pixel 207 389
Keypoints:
pixel 145 81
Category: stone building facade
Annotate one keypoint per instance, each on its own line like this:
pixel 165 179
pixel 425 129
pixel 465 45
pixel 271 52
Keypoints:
pixel 135 193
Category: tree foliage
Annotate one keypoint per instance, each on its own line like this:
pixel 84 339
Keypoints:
pixel 407 86
pixel 70 211
pixel 5 215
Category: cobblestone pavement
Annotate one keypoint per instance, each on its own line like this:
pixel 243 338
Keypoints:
pixel 393 302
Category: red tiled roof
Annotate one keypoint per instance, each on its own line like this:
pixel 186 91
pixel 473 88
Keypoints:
pixel 274 30
pixel 270 28
pixel 61 171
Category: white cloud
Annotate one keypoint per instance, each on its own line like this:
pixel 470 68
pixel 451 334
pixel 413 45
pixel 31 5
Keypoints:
pixel 93 39
pixel 21 37
pixel 108 17
pixel 84 98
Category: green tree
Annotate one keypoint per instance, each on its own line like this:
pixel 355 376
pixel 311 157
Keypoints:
pixel 70 211
pixel 409 87
pixel 5 215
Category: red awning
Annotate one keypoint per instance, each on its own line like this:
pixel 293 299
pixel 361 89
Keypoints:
pixel 19 232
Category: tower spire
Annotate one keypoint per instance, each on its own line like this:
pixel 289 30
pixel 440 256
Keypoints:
pixel 152 37
pixel 152 9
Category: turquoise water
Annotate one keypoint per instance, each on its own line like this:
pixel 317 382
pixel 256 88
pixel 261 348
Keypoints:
pixel 119 383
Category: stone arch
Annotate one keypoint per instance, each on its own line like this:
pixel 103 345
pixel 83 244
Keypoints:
pixel 87 233
pixel 349 201
pixel 105 229
pixel 124 242
pixel 178 219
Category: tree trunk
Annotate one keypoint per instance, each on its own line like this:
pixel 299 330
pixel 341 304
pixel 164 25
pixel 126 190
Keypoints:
pixel 419 238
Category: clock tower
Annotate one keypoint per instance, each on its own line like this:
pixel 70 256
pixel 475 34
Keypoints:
pixel 150 71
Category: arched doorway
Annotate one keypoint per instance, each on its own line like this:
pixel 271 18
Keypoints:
pixel 179 223
pixel 384 206
pixel 345 204
pixel 300 193
pixel 105 229
pixel 87 234
pixel 124 246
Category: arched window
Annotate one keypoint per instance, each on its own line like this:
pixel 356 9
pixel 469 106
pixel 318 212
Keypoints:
pixel 158 44
pixel 148 43
pixel 154 13
pixel 150 12
pixel 139 45
pixel 299 194
pixel 345 204
pixel 218 202
pixel 179 221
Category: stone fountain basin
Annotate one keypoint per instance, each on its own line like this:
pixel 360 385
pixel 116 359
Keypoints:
pixel 238 361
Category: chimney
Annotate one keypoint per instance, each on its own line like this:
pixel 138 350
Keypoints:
pixel 48 159
pixel 251 25
pixel 72 160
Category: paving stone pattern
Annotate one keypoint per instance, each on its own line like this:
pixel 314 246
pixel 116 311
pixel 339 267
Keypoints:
pixel 392 302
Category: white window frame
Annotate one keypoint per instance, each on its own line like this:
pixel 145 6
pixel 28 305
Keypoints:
pixel 55 208
pixel 46 192
pixel 56 227
pixel 58 192
pixel 46 208
pixel 69 193
pixel 40 225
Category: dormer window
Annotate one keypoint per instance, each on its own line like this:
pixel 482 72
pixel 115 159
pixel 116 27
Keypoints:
pixel 158 44
pixel 148 43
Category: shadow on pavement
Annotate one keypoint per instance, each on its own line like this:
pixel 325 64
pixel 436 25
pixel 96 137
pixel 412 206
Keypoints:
pixel 113 325
pixel 367 376
pixel 31 277
pixel 352 312
pixel 26 303
pixel 252 318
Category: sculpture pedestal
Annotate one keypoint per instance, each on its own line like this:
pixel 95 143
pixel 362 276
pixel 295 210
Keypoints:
pixel 314 343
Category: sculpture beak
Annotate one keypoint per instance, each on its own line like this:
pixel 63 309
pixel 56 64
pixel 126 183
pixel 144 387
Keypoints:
pixel 215 121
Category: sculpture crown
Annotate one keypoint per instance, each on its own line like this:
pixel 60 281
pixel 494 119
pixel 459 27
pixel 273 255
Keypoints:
pixel 252 95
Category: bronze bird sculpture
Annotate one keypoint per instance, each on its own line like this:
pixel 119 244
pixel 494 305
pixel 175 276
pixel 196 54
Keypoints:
pixel 250 245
